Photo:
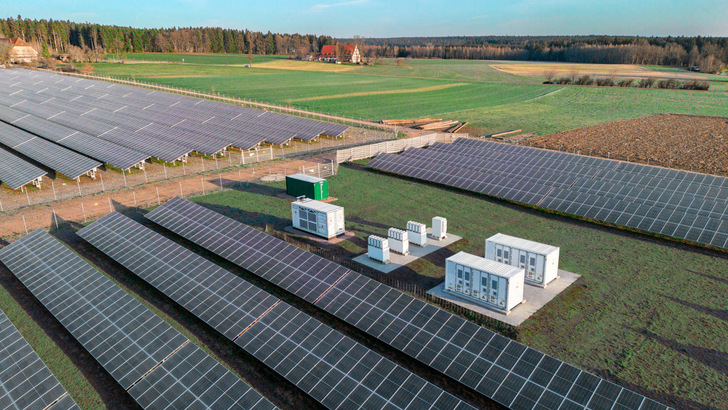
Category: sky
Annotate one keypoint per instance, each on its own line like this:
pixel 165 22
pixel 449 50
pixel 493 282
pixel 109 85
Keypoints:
pixel 399 18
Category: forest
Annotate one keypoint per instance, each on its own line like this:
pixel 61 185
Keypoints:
pixel 706 54
pixel 58 36
pixel 92 41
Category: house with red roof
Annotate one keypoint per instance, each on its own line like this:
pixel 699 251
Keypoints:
pixel 20 51
pixel 350 54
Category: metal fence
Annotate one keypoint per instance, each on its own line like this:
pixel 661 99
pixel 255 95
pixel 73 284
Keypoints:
pixel 87 208
pixel 109 180
pixel 394 146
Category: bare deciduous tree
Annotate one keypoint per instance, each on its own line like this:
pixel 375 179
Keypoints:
pixel 76 54
pixel 549 75
pixel 5 53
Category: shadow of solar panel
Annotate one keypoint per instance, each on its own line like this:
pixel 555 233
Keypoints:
pixel 25 381
pixel 125 337
pixel 330 367
pixel 484 361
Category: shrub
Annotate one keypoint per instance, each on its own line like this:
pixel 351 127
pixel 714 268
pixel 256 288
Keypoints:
pixel 646 83
pixel 605 82
pixel 669 84
pixel 584 80
pixel 563 80
pixel 695 85
pixel 625 83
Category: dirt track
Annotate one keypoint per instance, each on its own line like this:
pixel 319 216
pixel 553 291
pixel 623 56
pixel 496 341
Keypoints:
pixel 691 143
pixel 95 206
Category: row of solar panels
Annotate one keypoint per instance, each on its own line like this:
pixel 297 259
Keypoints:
pixel 156 364
pixel 501 369
pixel 25 381
pixel 679 204
pixel 209 123
pixel 83 123
pixel 162 369
pixel 332 368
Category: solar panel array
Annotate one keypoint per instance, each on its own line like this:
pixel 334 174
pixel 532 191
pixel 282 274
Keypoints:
pixel 330 367
pixel 55 157
pixel 107 152
pixel 17 172
pixel 158 366
pixel 25 381
pixel 499 368
pixel 679 204
pixel 168 122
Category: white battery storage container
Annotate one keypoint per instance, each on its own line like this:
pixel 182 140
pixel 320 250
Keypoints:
pixel 439 228
pixel 540 261
pixel 492 284
pixel 318 218
pixel 398 241
pixel 378 249
pixel 417 233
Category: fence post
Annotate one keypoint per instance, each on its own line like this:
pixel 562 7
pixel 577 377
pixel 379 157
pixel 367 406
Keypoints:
pixel 25 224
pixel 83 210
pixel 158 201
pixel 123 173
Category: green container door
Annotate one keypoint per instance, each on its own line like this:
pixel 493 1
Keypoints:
pixel 322 190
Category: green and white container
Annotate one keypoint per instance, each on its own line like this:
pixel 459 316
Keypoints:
pixel 309 186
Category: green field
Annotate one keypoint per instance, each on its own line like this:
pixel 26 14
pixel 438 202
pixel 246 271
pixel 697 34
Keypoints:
pixel 647 314
pixel 472 91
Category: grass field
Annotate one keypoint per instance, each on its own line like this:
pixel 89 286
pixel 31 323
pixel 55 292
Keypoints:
pixel 648 314
pixel 491 100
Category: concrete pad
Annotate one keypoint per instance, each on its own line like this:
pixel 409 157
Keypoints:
pixel 535 298
pixel 321 240
pixel 397 261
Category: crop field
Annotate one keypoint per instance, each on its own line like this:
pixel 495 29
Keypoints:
pixel 692 143
pixel 537 69
pixel 472 91
pixel 647 314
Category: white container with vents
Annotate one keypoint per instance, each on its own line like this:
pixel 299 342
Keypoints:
pixel 318 218
pixel 540 261
pixel 378 249
pixel 398 241
pixel 492 284
pixel 417 233
pixel 439 228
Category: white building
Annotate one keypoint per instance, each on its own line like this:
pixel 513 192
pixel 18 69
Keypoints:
pixel 492 284
pixel 318 218
pixel 540 261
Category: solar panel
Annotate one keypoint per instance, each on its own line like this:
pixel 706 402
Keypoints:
pixel 330 367
pixel 674 203
pixel 16 172
pixel 108 152
pixel 122 105
pixel 147 356
pixel 25 381
pixel 499 368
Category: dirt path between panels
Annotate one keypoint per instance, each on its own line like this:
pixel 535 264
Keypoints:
pixel 88 208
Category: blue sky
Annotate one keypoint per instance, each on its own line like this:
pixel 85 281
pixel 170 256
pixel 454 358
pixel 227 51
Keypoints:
pixel 395 18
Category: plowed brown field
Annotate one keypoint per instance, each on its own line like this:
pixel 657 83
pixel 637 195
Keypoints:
pixel 692 143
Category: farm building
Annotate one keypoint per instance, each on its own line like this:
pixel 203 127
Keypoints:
pixel 350 54
pixel 20 51
pixel 492 284
pixel 318 218
pixel 308 186
pixel 540 261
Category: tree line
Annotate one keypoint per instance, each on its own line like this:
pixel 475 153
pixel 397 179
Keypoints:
pixel 60 37
pixel 706 54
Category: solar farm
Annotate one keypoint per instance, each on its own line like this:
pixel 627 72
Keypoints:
pixel 74 125
pixel 203 301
